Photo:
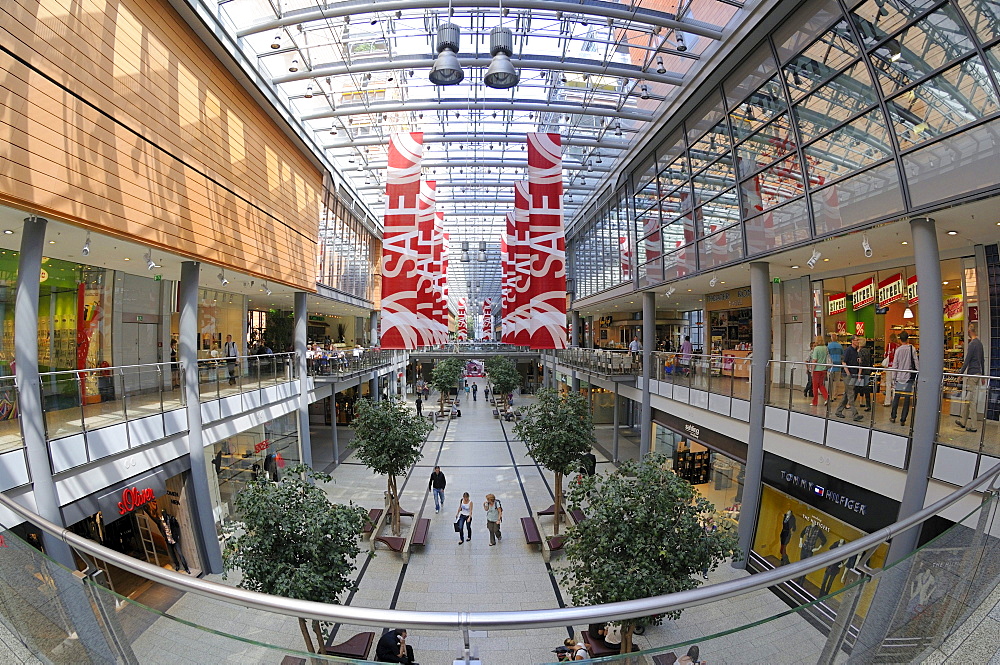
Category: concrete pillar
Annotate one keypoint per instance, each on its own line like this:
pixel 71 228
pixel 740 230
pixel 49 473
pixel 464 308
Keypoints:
pixel 373 321
pixel 187 355
pixel 614 434
pixel 336 442
pixel 928 389
pixel 574 333
pixel 760 292
pixel 648 343
pixel 373 389
pixel 301 319
pixel 575 382
pixel 29 386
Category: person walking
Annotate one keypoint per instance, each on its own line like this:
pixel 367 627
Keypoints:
pixel 864 387
pixel 836 359
pixel 974 365
pixel 890 354
pixel 437 484
pixel 821 357
pixel 904 364
pixel 231 352
pixel 486 393
pixel 464 518
pixel 475 391
pixel 852 375
pixel 494 515
pixel 420 406
pixel 808 390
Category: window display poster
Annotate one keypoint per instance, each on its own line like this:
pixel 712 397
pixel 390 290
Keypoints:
pixel 790 531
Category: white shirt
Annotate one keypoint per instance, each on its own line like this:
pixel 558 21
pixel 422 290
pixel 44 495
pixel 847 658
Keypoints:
pixel 635 346
pixel 231 350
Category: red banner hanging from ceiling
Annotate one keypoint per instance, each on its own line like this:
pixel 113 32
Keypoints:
pixel 440 311
pixel 426 218
pixel 487 335
pixel 445 248
pixel 521 297
pixel 548 242
pixel 463 328
pixel 400 252
pixel 505 279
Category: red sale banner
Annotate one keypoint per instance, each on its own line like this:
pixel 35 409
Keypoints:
pixel 548 242
pixel 505 284
pixel 445 248
pixel 400 253
pixel 426 218
pixel 522 266
pixel 439 313
pixel 463 329
pixel 487 335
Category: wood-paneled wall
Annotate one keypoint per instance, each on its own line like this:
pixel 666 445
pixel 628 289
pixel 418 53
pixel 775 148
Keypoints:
pixel 115 116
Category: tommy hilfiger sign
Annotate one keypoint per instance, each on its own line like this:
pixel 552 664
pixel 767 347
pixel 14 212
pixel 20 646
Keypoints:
pixel 821 491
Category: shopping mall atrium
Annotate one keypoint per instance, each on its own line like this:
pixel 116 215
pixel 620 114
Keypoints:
pixel 720 222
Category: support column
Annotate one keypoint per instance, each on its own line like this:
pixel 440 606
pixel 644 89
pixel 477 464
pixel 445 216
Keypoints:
pixel 574 334
pixel 29 386
pixel 760 293
pixel 187 355
pixel 928 389
pixel 373 388
pixel 305 437
pixel 648 342
pixel 336 442
pixel 373 321
pixel 614 434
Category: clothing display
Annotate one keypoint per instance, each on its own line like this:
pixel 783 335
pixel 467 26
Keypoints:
pixel 831 571
pixel 788 527
pixel 170 528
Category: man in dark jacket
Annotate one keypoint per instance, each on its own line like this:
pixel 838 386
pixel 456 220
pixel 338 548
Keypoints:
pixel 852 374
pixel 392 648
pixel 974 365
pixel 437 483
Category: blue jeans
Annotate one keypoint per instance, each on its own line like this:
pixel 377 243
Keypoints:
pixel 438 498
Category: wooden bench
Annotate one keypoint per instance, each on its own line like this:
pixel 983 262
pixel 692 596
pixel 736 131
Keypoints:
pixel 531 531
pixel 551 510
pixel 394 543
pixel 577 515
pixel 596 646
pixel 496 414
pixel 556 542
pixel 373 516
pixel 356 647
pixel 420 532
pixel 293 660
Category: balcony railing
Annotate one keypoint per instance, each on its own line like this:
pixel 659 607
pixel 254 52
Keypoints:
pixel 223 377
pixel 602 361
pixel 64 618
pixel 337 366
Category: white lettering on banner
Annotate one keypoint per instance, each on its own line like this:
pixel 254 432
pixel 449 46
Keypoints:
pixel 911 290
pixel 692 430
pixel 890 290
pixel 837 303
pixel 829 495
pixel 863 294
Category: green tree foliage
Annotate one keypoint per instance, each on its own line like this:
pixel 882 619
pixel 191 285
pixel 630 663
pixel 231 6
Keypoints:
pixel 557 430
pixel 388 437
pixel 293 542
pixel 503 374
pixel 644 536
pixel 445 376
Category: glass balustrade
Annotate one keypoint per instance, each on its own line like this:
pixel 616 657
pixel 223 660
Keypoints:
pixel 10 416
pixel 337 365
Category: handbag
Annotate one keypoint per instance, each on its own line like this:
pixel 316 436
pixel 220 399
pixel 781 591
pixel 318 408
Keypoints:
pixel 903 386
pixel 458 525
pixel 885 361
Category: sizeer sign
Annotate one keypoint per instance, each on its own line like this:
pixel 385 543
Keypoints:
pixel 133 497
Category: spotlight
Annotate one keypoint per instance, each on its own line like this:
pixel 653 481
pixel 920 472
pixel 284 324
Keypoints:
pixel 222 278
pixel 501 74
pixel 670 292
pixel 309 92
pixel 907 313
pixel 85 250
pixel 681 46
pixel 150 263
pixel 482 251
pixel 814 258
pixel 446 69
pixel 276 42
pixel 294 66
pixel 866 246
pixel 713 281
pixel 644 92
pixel 590 166
pixel 895 50
pixel 465 253
pixel 618 128
pixel 660 69
pixel 267 289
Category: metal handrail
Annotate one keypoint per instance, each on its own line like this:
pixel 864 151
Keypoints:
pixel 512 620
pixel 87 370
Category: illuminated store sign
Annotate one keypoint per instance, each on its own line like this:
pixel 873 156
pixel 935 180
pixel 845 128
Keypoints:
pixel 837 304
pixel 890 290
pixel 133 498
pixel 863 293
pixel 911 290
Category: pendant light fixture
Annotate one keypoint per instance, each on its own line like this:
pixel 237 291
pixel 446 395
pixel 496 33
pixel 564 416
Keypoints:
pixel 446 69
pixel 501 74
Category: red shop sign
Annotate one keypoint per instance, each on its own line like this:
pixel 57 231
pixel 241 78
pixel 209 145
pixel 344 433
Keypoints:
pixel 134 497
pixel 863 294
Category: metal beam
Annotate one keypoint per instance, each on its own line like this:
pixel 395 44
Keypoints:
pixel 478 105
pixel 482 60
pixel 491 163
pixel 610 10
pixel 364 141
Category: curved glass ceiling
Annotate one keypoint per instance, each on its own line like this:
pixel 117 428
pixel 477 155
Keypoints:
pixel 593 71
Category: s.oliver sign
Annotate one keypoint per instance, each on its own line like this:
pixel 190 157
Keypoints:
pixel 127 496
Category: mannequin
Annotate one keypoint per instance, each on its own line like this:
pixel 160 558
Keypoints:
pixel 171 531
pixel 788 527
pixel 811 540
pixel 831 571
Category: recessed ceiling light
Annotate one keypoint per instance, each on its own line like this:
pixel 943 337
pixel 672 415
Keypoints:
pixel 795 266
pixel 905 243
pixel 953 233
pixel 7 232
pixel 945 283
pixel 689 290
pixel 52 242
pixel 127 258
pixel 723 282
pixel 826 259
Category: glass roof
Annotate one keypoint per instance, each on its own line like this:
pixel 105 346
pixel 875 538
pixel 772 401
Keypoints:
pixel 595 72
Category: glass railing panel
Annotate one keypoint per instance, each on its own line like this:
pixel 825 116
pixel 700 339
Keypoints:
pixel 212 375
pixel 143 390
pixel 173 375
pixel 62 403
pixel 964 402
pixel 10 423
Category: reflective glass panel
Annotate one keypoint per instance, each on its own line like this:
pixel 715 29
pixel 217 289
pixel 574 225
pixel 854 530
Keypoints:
pixel 920 49
pixel 723 247
pixel 849 149
pixel 719 214
pixel 877 19
pixel 675 202
pixel 678 233
pixel 674 175
pixel 826 56
pixel 846 95
pixel 714 180
pixel 955 98
pixel 710 146
pixel 772 142
pixel 983 16
pixel 758 109
pixel 772 186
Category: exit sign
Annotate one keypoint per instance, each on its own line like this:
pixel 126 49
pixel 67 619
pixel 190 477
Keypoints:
pixel 157 278
pixel 776 280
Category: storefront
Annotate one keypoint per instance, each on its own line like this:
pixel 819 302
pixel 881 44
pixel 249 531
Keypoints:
pixel 730 330
pixel 803 513
pixel 262 451
pixel 146 517
pixel 711 461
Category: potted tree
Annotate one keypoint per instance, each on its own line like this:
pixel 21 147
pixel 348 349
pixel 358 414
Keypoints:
pixel 445 376
pixel 648 532
pixel 503 375
pixel 557 430
pixel 387 438
pixel 291 541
